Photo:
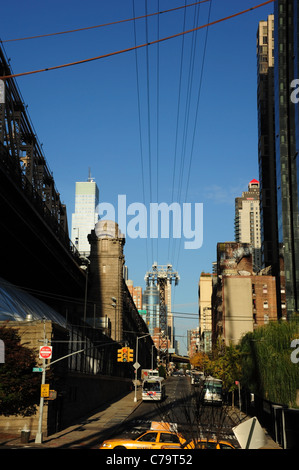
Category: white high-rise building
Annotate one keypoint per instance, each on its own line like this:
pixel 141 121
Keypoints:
pixel 247 221
pixel 86 215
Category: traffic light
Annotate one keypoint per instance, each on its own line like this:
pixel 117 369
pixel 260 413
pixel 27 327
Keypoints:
pixel 130 355
pixel 125 354
pixel 119 355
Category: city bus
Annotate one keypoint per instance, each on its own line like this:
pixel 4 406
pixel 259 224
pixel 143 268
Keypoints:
pixel 153 389
pixel 212 391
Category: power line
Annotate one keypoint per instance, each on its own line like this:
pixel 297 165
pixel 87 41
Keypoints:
pixel 102 25
pixel 139 119
pixel 129 49
pixel 196 113
pixel 187 112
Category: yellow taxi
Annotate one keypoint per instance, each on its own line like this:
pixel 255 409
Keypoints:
pixel 160 436
pixel 207 444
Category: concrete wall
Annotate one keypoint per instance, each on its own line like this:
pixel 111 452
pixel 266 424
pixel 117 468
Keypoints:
pixel 82 395
pixel 237 309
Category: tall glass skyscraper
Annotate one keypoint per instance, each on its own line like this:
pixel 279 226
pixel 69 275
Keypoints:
pixel 150 302
pixel 86 215
pixel 286 70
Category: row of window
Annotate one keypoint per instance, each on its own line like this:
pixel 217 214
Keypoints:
pixel 266 305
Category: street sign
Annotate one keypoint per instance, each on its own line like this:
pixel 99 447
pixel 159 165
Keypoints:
pixel 45 352
pixel 52 395
pixel 37 369
pixel 44 390
pixel 136 365
pixel 250 434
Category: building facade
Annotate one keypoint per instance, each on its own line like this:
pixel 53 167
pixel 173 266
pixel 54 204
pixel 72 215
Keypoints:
pixel 205 289
pixel 151 306
pixel 266 144
pixel 193 342
pixel 247 221
pixel 286 73
pixel 136 293
pixel 242 299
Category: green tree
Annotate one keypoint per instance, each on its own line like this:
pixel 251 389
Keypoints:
pixel 227 367
pixel 19 387
pixel 267 368
pixel 200 361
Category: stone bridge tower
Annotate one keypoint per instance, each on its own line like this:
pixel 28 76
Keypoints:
pixel 106 276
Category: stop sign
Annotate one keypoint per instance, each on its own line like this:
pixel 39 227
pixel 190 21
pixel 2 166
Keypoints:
pixel 45 352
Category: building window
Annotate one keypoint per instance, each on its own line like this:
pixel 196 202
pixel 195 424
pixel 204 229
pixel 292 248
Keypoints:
pixel 265 289
pixel 266 304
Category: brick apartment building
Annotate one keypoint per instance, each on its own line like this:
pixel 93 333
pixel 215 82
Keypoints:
pixel 241 300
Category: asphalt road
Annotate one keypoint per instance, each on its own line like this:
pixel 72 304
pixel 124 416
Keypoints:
pixel 183 407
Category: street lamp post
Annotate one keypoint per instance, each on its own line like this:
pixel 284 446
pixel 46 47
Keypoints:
pixel 114 304
pixel 136 364
pixel 85 266
pixel 153 356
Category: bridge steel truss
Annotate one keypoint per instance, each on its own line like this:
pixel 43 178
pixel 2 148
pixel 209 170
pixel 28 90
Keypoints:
pixel 35 247
pixel 161 276
pixel 21 145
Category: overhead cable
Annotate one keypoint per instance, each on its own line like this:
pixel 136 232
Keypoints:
pixel 101 25
pixel 129 49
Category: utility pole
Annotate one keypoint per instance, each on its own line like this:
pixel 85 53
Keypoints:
pixel 161 276
pixel 39 434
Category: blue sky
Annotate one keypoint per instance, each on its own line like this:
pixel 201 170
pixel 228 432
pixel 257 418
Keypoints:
pixel 87 116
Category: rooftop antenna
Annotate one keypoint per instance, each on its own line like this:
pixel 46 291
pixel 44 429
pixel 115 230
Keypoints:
pixel 90 179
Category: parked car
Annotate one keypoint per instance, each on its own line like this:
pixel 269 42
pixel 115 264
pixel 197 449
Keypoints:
pixel 207 444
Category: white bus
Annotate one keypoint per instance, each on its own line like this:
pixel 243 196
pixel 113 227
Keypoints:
pixel 212 391
pixel 153 389
pixel 196 378
pixel 148 373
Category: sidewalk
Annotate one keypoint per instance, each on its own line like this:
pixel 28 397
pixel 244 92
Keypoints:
pixel 90 431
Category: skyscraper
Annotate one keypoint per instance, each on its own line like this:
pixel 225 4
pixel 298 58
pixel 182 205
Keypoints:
pixel 150 300
pixel 266 143
pixel 286 70
pixel 247 221
pixel 85 216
